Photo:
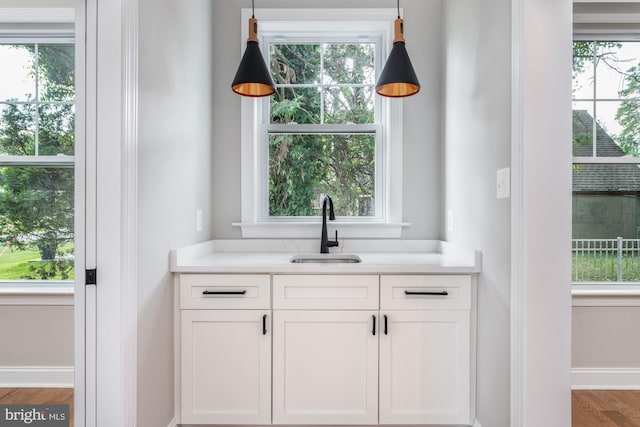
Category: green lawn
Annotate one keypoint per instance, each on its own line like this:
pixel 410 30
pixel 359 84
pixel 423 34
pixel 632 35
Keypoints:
pixel 18 264
pixel 599 267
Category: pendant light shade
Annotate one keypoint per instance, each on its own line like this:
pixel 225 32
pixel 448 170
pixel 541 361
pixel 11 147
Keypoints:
pixel 253 78
pixel 398 79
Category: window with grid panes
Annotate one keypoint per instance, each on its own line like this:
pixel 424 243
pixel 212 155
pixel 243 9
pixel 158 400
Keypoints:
pixel 37 98
pixel 324 132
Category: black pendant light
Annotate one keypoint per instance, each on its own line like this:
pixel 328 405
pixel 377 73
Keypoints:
pixel 398 79
pixel 253 78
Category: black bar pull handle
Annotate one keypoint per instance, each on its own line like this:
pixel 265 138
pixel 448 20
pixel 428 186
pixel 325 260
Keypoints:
pixel 373 331
pixel 242 292
pixel 441 293
pixel 386 331
pixel 264 324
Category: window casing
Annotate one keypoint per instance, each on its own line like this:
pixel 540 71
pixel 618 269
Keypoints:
pixel 606 166
pixel 373 215
pixel 37 159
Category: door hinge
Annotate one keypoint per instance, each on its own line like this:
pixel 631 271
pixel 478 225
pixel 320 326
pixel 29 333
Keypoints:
pixel 90 277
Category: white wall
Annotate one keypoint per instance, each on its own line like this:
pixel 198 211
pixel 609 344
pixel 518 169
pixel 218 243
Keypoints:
pixel 477 135
pixel 605 337
pixel 422 195
pixel 37 335
pixel 543 209
pixel 174 177
pixel 494 46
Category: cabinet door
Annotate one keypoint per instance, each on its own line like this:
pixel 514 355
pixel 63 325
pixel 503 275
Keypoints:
pixel 226 367
pixel 325 367
pixel 425 367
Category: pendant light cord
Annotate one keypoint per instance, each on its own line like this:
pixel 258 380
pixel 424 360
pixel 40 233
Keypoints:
pixel 253 8
pixel 398 9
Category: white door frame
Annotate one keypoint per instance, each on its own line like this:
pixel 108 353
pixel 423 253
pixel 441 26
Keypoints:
pixel 106 356
pixel 85 209
pixel 541 214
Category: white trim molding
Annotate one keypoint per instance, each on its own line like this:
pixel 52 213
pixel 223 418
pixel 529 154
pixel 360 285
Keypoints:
pixel 129 245
pixel 36 376
pixel 605 379
pixel 311 230
pixel 519 215
pixel 33 15
pixel 28 293
pixel 605 295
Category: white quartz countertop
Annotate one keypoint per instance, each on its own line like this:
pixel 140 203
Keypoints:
pixel 273 256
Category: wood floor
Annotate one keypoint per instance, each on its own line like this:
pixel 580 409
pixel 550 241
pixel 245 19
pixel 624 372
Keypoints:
pixel 590 408
pixel 38 396
pixel 605 408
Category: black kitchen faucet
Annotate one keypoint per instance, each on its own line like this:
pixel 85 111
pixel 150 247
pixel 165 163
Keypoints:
pixel 325 243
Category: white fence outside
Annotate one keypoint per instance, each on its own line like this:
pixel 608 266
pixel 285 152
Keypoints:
pixel 606 260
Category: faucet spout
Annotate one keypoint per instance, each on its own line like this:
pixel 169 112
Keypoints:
pixel 325 243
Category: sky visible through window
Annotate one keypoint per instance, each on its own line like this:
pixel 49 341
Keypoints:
pixel 16 80
pixel 611 74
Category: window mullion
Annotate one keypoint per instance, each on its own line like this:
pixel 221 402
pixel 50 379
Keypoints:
pixel 594 126
pixel 322 88
pixel 40 161
pixel 36 139
pixel 319 129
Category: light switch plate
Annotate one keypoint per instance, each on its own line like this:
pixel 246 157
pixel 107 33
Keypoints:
pixel 503 187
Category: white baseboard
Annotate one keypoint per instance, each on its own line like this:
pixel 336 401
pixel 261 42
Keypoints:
pixel 36 376
pixel 605 378
pixel 173 423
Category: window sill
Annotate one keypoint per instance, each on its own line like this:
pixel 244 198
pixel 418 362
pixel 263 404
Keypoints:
pixel 36 293
pixel 605 295
pixel 311 230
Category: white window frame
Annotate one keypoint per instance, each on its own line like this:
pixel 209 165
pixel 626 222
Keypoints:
pixel 611 27
pixel 591 37
pixel 40 26
pixel 255 222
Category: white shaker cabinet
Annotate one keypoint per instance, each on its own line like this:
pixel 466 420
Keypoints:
pixel 325 360
pixel 225 354
pixel 425 350
pixel 332 349
pixel 325 367
pixel 226 367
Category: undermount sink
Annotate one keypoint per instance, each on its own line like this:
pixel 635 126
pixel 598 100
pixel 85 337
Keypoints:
pixel 326 258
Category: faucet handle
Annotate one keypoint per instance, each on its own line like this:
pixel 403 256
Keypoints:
pixel 334 243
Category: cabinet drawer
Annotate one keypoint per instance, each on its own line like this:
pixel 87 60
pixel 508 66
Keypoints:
pixel 428 292
pixel 325 292
pixel 225 291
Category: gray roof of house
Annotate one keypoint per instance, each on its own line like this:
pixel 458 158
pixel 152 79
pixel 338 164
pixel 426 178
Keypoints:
pixel 598 178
